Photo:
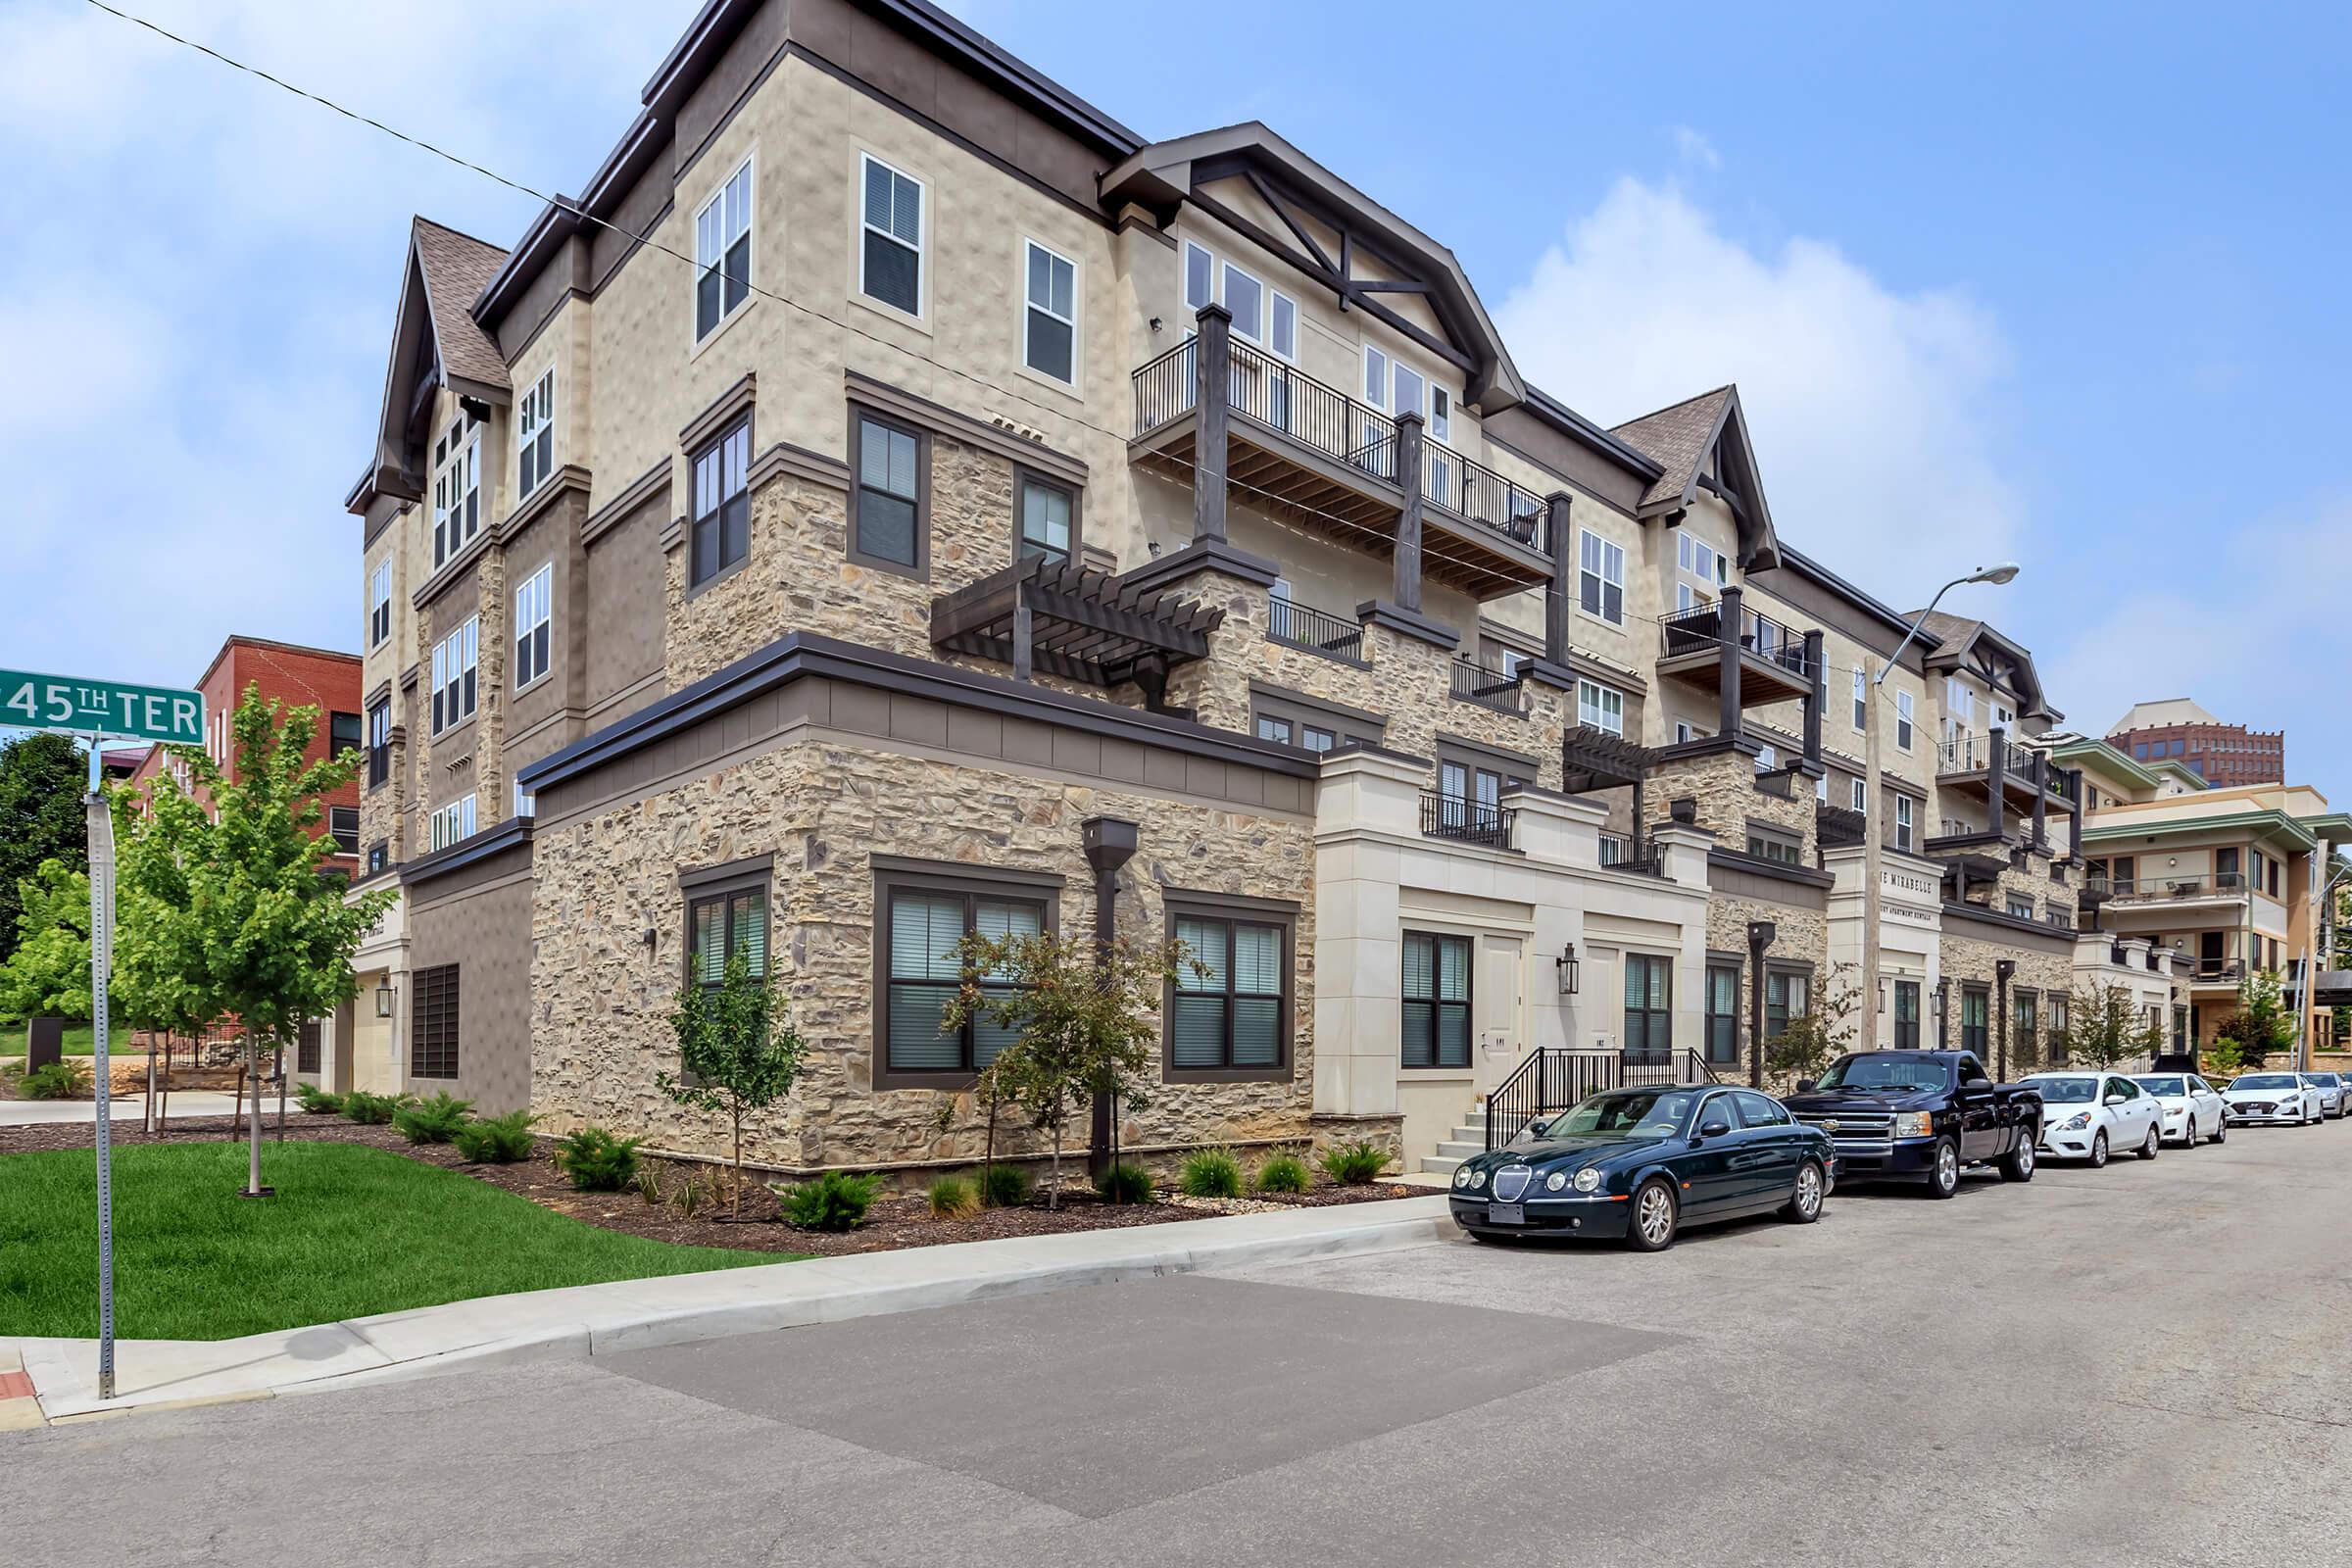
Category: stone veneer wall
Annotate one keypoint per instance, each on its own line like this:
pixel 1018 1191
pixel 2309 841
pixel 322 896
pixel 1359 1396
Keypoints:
pixel 1804 936
pixel 1968 959
pixel 821 807
pixel 1725 786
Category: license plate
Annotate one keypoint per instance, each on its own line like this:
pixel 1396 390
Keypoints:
pixel 1506 1213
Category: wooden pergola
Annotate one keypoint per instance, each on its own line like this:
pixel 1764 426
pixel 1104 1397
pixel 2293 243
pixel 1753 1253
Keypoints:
pixel 1070 621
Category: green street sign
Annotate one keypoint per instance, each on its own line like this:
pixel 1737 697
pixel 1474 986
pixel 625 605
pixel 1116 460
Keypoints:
pixel 101 708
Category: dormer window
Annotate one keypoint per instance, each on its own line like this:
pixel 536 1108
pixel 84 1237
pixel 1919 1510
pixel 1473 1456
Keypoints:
pixel 457 487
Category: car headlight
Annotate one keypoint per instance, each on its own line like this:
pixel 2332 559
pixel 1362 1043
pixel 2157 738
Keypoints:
pixel 1588 1180
pixel 1478 1179
pixel 1914 1123
pixel 1556 1180
pixel 2074 1123
pixel 1461 1176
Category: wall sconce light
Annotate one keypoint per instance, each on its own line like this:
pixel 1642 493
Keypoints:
pixel 652 936
pixel 1569 970
pixel 1760 934
pixel 1882 996
pixel 383 999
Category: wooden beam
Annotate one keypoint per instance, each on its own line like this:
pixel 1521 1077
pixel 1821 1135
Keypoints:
pixel 1258 183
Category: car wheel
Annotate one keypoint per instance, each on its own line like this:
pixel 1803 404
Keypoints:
pixel 2098 1150
pixel 1943 1177
pixel 2152 1146
pixel 2220 1129
pixel 1650 1227
pixel 2017 1165
pixel 1804 1203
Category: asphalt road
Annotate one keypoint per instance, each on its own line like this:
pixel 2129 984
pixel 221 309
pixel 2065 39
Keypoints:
pixel 2146 1364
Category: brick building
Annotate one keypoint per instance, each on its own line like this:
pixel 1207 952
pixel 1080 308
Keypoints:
pixel 2225 756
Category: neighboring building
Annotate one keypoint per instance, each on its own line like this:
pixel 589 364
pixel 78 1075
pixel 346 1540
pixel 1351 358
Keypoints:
pixel 2223 755
pixel 1007 523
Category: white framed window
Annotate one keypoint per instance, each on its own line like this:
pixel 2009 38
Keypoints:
pixel 451 823
pixel 1441 413
pixel 1246 298
pixel 1376 377
pixel 1903 822
pixel 1601 577
pixel 455 660
pixel 1821 789
pixel 1959 708
pixel 534 609
pixel 526 802
pixel 1685 730
pixel 1902 721
pixel 1200 276
pixel 1768 758
pixel 1861 699
pixel 889 254
pixel 1599 706
pixel 1050 313
pixel 535 435
pixel 457 488
pixel 723 252
pixel 379 602
pixel 1861 796
pixel 1283 327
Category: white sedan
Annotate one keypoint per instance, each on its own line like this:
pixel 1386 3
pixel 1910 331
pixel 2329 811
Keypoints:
pixel 2335 1095
pixel 2271 1097
pixel 2085 1114
pixel 2191 1107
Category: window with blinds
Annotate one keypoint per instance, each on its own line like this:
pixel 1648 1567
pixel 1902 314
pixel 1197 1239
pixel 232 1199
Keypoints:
pixel 434 1022
pixel 723 924
pixel 1648 1006
pixel 925 972
pixel 1227 1007
pixel 306 1050
pixel 1437 1001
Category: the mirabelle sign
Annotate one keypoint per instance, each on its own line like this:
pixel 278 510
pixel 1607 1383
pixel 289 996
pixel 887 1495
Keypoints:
pixel 101 708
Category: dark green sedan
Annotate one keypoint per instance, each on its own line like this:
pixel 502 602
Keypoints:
pixel 1638 1164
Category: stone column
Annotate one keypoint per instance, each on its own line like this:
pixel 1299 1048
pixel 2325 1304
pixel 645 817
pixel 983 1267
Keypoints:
pixel 1408 589
pixel 1212 403
pixel 1367 801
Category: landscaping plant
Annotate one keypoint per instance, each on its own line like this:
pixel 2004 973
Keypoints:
pixel 1354 1164
pixel 59 1080
pixel 2263 1026
pixel 1124 1183
pixel 1007 1187
pixel 835 1201
pixel 1285 1172
pixel 649 1184
pixel 1813 1039
pixel 434 1121
pixel 736 1053
pixel 953 1197
pixel 315 1099
pixel 497 1140
pixel 1209 1173
pixel 2104 1027
pixel 371 1110
pixel 597 1161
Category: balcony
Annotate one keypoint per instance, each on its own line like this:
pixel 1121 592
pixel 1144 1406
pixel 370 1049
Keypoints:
pixel 1969 761
pixel 2216 972
pixel 1337 468
pixel 1304 626
pixel 2125 892
pixel 1488 687
pixel 1468 822
pixel 1768 663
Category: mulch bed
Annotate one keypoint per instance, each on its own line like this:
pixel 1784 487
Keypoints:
pixel 891 1223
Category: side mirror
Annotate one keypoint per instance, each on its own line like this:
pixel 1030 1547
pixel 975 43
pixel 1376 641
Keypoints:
pixel 1714 1129
pixel 1806 1086
pixel 2113 1099
pixel 1539 1127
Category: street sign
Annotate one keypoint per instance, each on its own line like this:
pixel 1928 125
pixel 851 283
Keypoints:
pixel 108 707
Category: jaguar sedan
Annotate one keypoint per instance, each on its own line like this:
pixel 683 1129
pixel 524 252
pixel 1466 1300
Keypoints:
pixel 1638 1164
pixel 2271 1097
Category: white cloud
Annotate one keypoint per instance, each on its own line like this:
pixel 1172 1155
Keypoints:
pixel 1693 148
pixel 1873 411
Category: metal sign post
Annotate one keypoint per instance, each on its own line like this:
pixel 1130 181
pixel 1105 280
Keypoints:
pixel 102 954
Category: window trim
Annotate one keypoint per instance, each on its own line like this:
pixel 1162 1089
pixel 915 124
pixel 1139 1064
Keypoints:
pixel 462 814
pixel 379 743
pixel 542 382
pixel 379 603
pixel 1895 1019
pixel 1030 242
pixel 1583 686
pixel 1709 1018
pixel 1346 726
pixel 920 570
pixel 332 832
pixel 449 676
pixel 1232 909
pixel 1606 544
pixel 1626 959
pixel 1861 699
pixel 1906 727
pixel 893 877
pixel 723 884
pixel 1023 476
pixel 860 227
pixel 715 447
pixel 443 983
pixel 696 337
pixel 1468 1002
pixel 546 593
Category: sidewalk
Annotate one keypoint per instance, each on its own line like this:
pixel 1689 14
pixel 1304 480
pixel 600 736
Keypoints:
pixel 182 1105
pixel 634 1314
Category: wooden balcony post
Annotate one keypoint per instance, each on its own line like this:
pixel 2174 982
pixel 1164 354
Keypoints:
pixel 1212 403
pixel 1997 778
pixel 1729 625
pixel 1821 692
pixel 1407 590
pixel 1556 534
pixel 2042 801
pixel 2074 820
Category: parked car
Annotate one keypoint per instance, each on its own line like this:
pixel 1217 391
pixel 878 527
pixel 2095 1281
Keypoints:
pixel 2270 1097
pixel 2191 1106
pixel 1919 1116
pixel 2087 1114
pixel 2335 1096
pixel 1638 1164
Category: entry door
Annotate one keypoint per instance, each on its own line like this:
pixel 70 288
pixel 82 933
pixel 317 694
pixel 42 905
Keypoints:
pixel 1498 1009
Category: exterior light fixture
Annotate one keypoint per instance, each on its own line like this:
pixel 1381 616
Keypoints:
pixel 383 999
pixel 1569 970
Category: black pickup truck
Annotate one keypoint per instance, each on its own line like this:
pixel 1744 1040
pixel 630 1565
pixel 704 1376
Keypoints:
pixel 1919 1116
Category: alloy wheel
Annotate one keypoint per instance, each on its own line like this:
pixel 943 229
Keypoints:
pixel 1655 1215
pixel 1808 1192
pixel 1947 1166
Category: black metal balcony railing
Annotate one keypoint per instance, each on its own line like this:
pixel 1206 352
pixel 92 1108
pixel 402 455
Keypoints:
pixel 1475 491
pixel 2156 889
pixel 1964 753
pixel 1699 629
pixel 2230 970
pixel 1486 686
pixel 1467 821
pixel 1304 626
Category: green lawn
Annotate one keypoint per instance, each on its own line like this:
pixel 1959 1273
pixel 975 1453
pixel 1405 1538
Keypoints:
pixel 81 1038
pixel 352 1231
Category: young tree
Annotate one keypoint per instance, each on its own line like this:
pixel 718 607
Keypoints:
pixel 42 777
pixel 2263 1025
pixel 736 1053
pixel 48 975
pixel 1822 1034
pixel 1080 1018
pixel 245 921
pixel 2104 1027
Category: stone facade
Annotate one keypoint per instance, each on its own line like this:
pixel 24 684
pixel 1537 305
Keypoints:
pixel 1729 794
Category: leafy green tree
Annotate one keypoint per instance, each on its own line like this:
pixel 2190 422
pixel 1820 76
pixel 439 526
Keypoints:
pixel 737 1053
pixel 1820 1035
pixel 2263 1026
pixel 1082 1023
pixel 42 778
pixel 48 975
pixel 234 912
pixel 2104 1026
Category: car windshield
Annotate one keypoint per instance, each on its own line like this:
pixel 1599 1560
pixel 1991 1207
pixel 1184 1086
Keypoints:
pixel 1626 1113
pixel 1899 1069
pixel 2326 1080
pixel 2162 1086
pixel 2066 1091
pixel 2264 1080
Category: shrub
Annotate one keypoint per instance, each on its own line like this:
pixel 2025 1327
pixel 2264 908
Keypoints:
pixel 497 1140
pixel 1283 1173
pixel 1209 1173
pixel 691 1194
pixel 315 1099
pixel 953 1197
pixel 59 1080
pixel 597 1161
pixel 434 1121
pixel 649 1184
pixel 835 1201
pixel 371 1110
pixel 1352 1164
pixel 1007 1187
pixel 1123 1183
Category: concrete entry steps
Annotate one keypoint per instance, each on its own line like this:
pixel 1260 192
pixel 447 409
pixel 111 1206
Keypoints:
pixel 1469 1138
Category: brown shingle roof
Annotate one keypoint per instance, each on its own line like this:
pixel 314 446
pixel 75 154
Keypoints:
pixel 1676 438
pixel 457 268
pixel 1952 633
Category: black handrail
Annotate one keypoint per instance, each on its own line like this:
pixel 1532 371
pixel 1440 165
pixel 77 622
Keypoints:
pixel 1483 684
pixel 1555 1078
pixel 1467 821
pixel 1305 626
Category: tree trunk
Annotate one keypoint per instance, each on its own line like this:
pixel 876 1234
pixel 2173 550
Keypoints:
pixel 236 1113
pixel 253 1175
pixel 739 1162
pixel 150 1118
pixel 1054 1198
pixel 988 1159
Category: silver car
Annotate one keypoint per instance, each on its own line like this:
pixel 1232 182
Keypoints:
pixel 2335 1097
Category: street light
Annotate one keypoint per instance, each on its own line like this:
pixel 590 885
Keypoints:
pixel 1873 852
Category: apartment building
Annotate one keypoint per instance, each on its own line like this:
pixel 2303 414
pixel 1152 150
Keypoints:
pixel 2177 729
pixel 1007 523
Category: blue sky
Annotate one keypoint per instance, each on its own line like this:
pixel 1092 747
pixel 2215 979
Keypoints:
pixel 1994 281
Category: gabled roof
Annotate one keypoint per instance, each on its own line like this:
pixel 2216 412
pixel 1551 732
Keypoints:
pixel 1956 637
pixel 435 342
pixel 457 268
pixel 1681 438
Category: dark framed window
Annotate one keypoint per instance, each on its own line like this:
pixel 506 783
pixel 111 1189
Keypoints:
pixel 305 1049
pixel 1769 842
pixel 890 499
pixel 890 258
pixel 1907 1015
pixel 1437 1000
pixel 342 733
pixel 1050 315
pixel 379 856
pixel 379 743
pixel 343 821
pixel 1232 1022
pixel 1786 996
pixel 434 1022
pixel 920 919
pixel 1722 1014
pixel 1290 722
pixel 1976 1017
pixel 722 504
pixel 1648 1006
pixel 721 923
pixel 723 252
pixel 2024 1024
pixel 1047 523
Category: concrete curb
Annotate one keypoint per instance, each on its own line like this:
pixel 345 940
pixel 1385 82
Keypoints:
pixel 591 1320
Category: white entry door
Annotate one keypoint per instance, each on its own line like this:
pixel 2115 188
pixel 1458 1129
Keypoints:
pixel 1498 1009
